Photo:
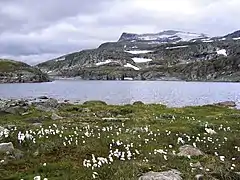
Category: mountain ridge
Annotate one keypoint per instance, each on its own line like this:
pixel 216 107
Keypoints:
pixel 152 58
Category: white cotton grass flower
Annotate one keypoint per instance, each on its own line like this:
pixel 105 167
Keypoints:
pixel 210 131
pixel 37 178
pixel 180 140
pixel 222 158
pixel 94 175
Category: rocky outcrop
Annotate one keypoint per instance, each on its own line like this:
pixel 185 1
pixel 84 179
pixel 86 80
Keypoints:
pixel 18 72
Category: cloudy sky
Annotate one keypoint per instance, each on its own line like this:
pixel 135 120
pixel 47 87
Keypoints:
pixel 38 30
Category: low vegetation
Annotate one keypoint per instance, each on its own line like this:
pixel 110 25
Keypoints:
pixel 99 141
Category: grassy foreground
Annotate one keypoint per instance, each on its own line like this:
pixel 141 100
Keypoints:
pixel 110 142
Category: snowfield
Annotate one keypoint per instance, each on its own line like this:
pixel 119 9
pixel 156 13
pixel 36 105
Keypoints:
pixel 103 63
pixel 60 59
pixel 141 60
pixel 207 41
pixel 238 38
pixel 128 65
pixel 185 36
pixel 222 52
pixel 176 47
pixel 128 78
pixel 139 51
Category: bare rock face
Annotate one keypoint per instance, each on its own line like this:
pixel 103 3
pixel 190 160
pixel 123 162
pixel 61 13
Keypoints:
pixel 188 150
pixel 6 147
pixel 19 72
pixel 166 175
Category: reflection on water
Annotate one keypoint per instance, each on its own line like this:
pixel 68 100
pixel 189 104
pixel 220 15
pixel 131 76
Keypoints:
pixel 124 92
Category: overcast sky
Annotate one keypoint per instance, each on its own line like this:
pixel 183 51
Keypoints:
pixel 38 30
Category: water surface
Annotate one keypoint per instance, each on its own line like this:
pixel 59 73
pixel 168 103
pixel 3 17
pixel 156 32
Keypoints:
pixel 171 93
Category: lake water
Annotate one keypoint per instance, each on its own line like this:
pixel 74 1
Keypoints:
pixel 124 92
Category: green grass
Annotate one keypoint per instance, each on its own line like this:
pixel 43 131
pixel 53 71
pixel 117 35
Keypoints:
pixel 10 66
pixel 146 127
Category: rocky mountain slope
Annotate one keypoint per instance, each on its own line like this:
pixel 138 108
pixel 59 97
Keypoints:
pixel 19 72
pixel 168 55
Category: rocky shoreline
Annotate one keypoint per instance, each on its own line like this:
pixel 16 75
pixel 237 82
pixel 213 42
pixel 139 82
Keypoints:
pixel 19 72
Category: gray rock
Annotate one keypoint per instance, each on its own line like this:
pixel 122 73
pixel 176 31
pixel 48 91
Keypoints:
pixel 13 110
pixel 18 154
pixel 196 165
pixel 226 104
pixel 42 97
pixel 166 175
pixel 1 131
pixel 47 106
pixel 188 150
pixel 6 147
pixel 44 109
pixel 56 117
pixel 53 103
pixel 37 124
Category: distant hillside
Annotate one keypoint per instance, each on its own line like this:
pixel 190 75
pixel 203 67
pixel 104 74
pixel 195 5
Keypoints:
pixel 168 55
pixel 19 72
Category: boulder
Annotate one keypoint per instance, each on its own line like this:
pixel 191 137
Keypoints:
pixel 51 103
pixel 56 117
pixel 43 97
pixel 166 175
pixel 188 150
pixel 47 106
pixel 6 147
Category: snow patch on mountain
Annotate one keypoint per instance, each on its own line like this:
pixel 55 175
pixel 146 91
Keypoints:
pixel 188 36
pixel 60 59
pixel 238 38
pixel 162 37
pixel 222 52
pixel 141 60
pixel 139 51
pixel 176 47
pixel 103 63
pixel 207 40
pixel 128 78
pixel 128 65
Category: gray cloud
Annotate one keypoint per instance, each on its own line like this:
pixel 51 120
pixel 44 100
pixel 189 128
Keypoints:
pixel 33 30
